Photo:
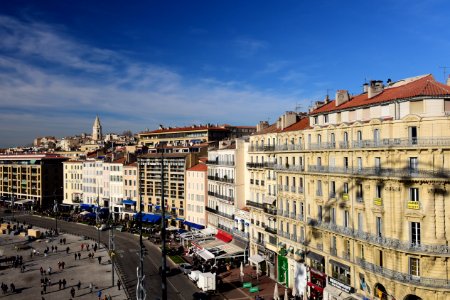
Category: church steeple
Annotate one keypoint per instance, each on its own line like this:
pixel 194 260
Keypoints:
pixel 97 130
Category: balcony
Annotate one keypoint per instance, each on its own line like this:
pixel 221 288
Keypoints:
pixel 288 147
pixel 270 211
pixel 240 233
pixel 324 145
pixel 359 198
pixel 221 179
pixel 408 142
pixel 220 162
pixel 300 217
pixel 227 229
pixel 385 242
pixel 255 204
pixel 403 277
pixel 255 165
pixel 413 205
pixel 292 215
pixel 333 251
pixel 219 196
pixel 288 167
pixel 267 148
pixel 300 190
pixel 259 242
pixel 222 214
pixel 270 230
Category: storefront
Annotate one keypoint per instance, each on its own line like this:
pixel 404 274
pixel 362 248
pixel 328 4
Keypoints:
pixel 338 287
pixel 271 263
pixel 317 279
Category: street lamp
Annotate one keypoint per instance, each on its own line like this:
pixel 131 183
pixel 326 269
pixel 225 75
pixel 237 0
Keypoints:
pixel 163 231
pixel 55 210
pixel 97 219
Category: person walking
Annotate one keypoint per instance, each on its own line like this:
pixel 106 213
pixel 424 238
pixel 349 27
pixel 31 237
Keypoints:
pixel 91 286
pixel 72 292
pixel 99 294
pixel 99 260
pixel 60 283
pixel 56 249
pixel 64 282
pixel 42 271
pixel 82 246
pixel 75 255
pixel 13 287
pixel 119 283
pixel 67 250
pixel 79 285
pixel 79 255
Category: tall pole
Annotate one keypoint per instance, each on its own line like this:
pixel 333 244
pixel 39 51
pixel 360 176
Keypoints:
pixel 112 252
pixel 163 232
pixel 140 291
pixel 98 220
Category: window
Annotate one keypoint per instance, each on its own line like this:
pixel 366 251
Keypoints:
pixel 359 163
pixel 361 252
pixel 413 164
pixel 359 136
pixel 345 187
pixel 319 188
pixel 316 120
pixel 332 140
pixel 414 266
pixel 379 226
pixel 345 139
pixel 378 190
pixel 346 162
pixel 346 218
pixel 325 118
pixel 360 222
pixel 319 140
pixel 412 133
pixel 319 212
pixel 413 194
pixel 377 163
pixel 415 234
pixel 376 137
pixel 359 192
pixel 333 215
pixel 332 189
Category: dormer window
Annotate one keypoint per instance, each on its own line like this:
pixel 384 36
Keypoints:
pixel 325 118
pixel 316 120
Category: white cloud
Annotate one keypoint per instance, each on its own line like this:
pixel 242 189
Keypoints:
pixel 53 84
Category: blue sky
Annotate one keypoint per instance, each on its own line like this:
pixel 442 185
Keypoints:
pixel 138 64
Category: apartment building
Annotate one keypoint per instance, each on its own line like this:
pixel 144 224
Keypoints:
pixel 32 177
pixel 362 193
pixel 150 191
pixel 130 189
pixel 196 196
pixel 191 136
pixel 73 181
pixel 226 187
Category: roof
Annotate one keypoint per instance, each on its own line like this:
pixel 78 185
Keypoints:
pixel 166 155
pixel 199 168
pixel 271 129
pixel 300 125
pixel 187 128
pixel 404 89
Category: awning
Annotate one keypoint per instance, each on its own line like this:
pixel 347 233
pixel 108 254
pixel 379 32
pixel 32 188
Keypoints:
pixel 316 287
pixel 205 254
pixel 84 206
pixel 256 259
pixel 224 236
pixel 158 207
pixel 193 225
pixel 128 202
pixel 23 201
pixel 315 256
pixel 208 231
pixel 151 218
pixel 341 265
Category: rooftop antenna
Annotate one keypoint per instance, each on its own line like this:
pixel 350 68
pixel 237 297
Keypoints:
pixel 444 69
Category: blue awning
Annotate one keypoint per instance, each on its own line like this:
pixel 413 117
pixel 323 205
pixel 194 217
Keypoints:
pixel 157 207
pixel 128 202
pixel 194 225
pixel 85 206
pixel 151 218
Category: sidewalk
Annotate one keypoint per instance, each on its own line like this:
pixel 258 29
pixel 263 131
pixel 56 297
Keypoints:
pixel 85 270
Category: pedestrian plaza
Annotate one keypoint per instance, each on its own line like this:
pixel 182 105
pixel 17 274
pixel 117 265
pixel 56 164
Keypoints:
pixel 84 276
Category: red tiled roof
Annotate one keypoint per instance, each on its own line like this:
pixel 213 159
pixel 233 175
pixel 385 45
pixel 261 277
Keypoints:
pixel 424 86
pixel 199 168
pixel 300 125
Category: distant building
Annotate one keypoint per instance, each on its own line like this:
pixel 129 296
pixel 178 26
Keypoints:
pixel 196 196
pixel 97 135
pixel 35 177
pixel 73 182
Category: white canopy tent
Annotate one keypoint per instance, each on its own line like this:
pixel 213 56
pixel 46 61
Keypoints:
pixel 256 259
pixel 205 254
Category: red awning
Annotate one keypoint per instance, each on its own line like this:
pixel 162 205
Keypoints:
pixel 316 287
pixel 224 236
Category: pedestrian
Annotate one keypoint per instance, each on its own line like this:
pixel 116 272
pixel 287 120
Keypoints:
pixel 95 247
pixel 87 247
pixel 60 241
pixel 119 284
pixel 82 246
pixel 79 285
pixel 60 283
pixel 89 255
pixel 92 254
pixel 42 271
pixel 91 286
pixel 22 268
pixel 13 287
pixel 75 255
pixel 99 294
pixel 63 264
pixel 67 250
pixel 72 292
pixel 79 255
pixel 45 288
pixel 99 260
pixel 49 270
pixel 53 248
pixel 64 240
pixel 64 282
pixel 56 248
pixel 59 265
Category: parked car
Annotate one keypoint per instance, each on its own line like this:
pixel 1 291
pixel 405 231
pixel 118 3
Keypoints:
pixel 185 268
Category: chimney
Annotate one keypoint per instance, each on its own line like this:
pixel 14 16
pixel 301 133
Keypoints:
pixel 342 96
pixel 262 125
pixel 448 80
pixel 375 87
pixel 365 87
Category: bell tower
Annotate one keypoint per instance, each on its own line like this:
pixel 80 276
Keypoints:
pixel 97 130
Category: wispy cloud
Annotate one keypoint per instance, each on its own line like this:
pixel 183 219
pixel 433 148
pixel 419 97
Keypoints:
pixel 54 84
pixel 247 47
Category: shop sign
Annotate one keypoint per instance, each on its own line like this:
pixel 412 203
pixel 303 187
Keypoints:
pixel 337 284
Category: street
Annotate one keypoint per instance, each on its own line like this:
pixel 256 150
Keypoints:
pixel 127 259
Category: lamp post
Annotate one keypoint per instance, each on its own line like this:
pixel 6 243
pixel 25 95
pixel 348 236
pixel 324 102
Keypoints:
pixel 55 210
pixel 163 232
pixel 97 219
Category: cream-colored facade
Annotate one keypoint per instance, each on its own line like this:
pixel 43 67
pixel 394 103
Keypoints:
pixel 73 181
pixel 363 193
pixel 196 194
pixel 130 179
